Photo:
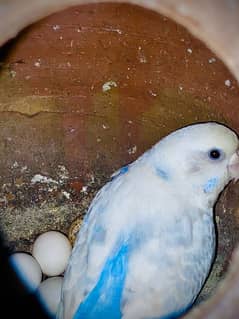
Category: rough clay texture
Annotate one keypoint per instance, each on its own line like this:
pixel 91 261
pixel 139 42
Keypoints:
pixel 89 89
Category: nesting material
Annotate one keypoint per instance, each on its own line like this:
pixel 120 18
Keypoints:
pixel 74 229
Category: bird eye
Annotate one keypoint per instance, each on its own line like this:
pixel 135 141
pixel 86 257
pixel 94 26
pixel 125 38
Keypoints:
pixel 215 154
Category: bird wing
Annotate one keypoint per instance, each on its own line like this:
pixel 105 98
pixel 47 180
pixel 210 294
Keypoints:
pixel 92 247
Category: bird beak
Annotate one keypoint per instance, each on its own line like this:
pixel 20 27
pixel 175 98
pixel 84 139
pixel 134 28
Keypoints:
pixel 233 166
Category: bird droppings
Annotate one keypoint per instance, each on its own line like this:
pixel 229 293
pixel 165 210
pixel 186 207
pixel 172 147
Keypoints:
pixel 66 194
pixel 189 50
pixel 110 29
pixel 84 189
pixel 105 127
pixel 212 60
pixel 227 83
pixel 15 164
pixel 72 130
pixel 141 55
pixel 152 93
pixel 37 63
pixel 132 150
pixel 56 27
pixel 13 73
pixel 108 86
pixel 38 178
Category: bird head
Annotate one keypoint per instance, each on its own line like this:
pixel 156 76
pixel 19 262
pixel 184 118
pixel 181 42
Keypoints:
pixel 202 158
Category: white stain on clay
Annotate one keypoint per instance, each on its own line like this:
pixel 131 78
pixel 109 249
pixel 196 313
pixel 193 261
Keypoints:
pixel 105 126
pixel 108 86
pixel 56 27
pixel 63 173
pixel 227 83
pixel 15 165
pixel 141 55
pixel 37 63
pixel 113 30
pixel 66 194
pixel 13 73
pixel 24 169
pixel 84 189
pixel 132 150
pixel 38 178
pixel 152 93
pixel 212 60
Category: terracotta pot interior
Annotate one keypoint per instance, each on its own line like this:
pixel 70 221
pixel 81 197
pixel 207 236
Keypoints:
pixel 87 90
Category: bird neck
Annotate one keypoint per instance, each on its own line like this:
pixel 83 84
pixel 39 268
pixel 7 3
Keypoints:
pixel 201 194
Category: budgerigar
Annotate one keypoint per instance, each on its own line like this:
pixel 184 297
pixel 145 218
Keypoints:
pixel 148 240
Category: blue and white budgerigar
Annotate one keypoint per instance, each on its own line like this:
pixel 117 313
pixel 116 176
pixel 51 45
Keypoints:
pixel 148 240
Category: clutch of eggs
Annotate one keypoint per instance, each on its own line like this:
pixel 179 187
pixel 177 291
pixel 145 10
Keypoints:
pixel 50 255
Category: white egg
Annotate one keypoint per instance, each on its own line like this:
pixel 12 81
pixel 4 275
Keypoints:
pixel 52 250
pixel 27 268
pixel 49 293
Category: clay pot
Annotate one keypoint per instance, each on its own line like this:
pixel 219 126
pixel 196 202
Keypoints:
pixel 92 87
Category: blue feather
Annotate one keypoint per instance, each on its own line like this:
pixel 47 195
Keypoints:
pixel 210 185
pixel 104 301
pixel 120 172
pixel 162 173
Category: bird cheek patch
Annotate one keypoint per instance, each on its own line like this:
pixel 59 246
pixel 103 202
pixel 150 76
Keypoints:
pixel 210 185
